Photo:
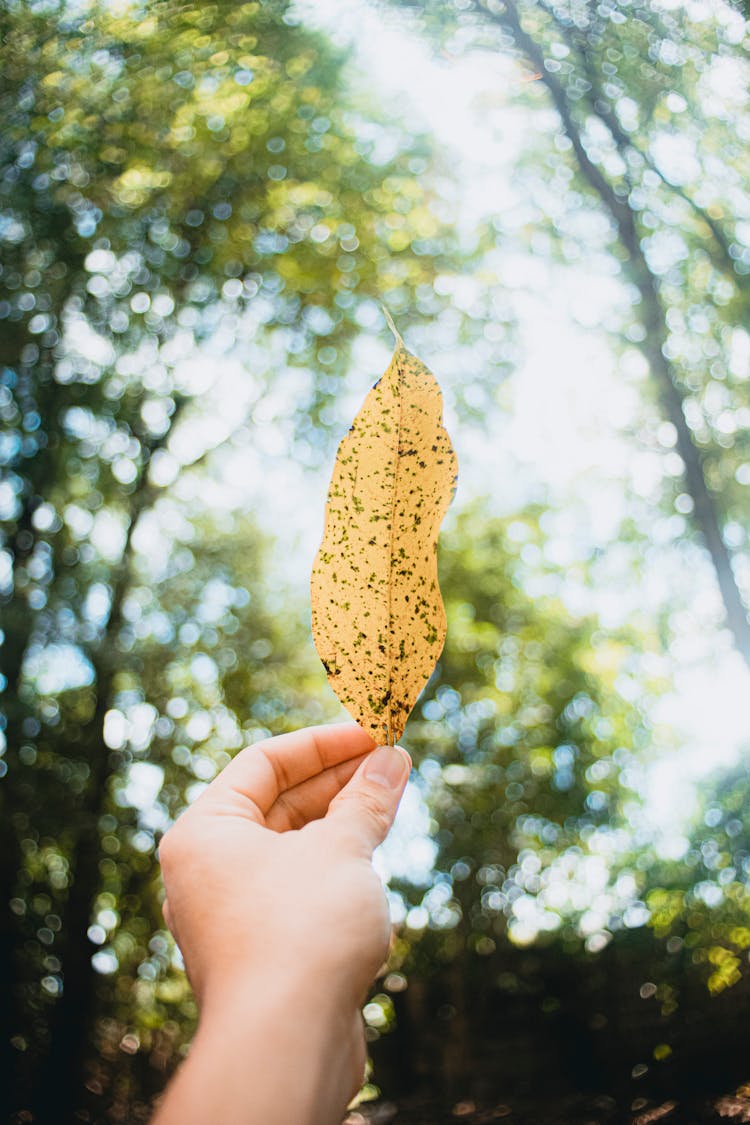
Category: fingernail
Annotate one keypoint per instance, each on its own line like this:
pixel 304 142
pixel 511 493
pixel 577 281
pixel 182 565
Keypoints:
pixel 386 766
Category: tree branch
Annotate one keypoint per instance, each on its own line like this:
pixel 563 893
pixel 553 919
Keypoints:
pixel 653 318
pixel 624 141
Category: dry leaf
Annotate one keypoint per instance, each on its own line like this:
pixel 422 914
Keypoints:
pixel 378 617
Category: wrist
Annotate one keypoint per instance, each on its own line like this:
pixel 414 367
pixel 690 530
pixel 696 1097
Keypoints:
pixel 301 994
pixel 284 1047
pixel 302 979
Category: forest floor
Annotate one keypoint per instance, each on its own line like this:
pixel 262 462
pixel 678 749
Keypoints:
pixel 579 1111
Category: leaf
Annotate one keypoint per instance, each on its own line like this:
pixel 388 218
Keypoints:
pixel 377 614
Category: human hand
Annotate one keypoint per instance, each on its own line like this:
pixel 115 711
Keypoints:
pixel 273 899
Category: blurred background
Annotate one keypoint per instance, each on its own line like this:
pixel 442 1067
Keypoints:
pixel 201 209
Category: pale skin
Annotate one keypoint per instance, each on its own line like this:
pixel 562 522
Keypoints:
pixel 283 924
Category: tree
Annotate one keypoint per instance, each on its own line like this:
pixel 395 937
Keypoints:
pixel 530 703
pixel 634 87
pixel 699 903
pixel 171 179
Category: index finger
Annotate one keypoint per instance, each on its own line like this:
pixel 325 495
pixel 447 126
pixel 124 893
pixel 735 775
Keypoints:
pixel 262 772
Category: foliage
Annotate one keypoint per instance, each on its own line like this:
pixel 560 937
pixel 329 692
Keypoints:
pixel 530 742
pixel 699 904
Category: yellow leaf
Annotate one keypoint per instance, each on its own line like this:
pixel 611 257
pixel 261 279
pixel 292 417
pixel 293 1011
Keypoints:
pixel 378 617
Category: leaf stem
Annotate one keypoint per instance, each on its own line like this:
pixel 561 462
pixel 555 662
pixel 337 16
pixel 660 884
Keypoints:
pixel 389 321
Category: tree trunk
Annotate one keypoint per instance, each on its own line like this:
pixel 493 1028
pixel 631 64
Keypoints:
pixel 17 623
pixel 61 1086
pixel 8 985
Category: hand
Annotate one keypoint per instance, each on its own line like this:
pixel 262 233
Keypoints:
pixel 282 922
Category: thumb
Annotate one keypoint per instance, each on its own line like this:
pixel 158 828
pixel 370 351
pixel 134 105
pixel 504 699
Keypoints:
pixel 364 810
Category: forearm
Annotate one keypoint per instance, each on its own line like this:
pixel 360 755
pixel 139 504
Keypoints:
pixel 269 1053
